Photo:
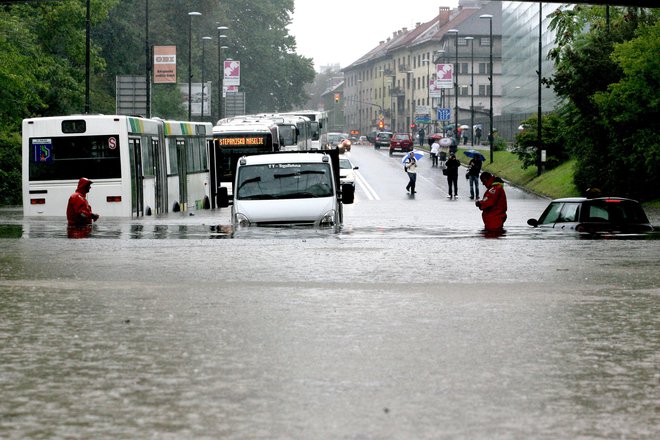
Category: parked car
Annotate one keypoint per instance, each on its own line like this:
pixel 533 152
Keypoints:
pixel 382 139
pixel 594 215
pixel 401 142
pixel 363 140
pixel 346 173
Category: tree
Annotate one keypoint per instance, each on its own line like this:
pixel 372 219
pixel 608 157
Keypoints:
pixel 587 72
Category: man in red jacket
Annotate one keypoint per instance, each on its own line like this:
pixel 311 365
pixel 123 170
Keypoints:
pixel 493 204
pixel 78 212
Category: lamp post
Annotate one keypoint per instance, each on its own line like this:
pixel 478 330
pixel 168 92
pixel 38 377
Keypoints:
pixel 190 75
pixel 471 40
pixel 489 17
pixel 204 40
pixel 539 138
pixel 455 131
pixel 441 52
pixel 147 57
pixel 359 104
pixel 88 31
pixel 220 29
pixel 411 81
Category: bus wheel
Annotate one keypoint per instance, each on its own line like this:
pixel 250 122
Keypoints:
pixel 176 207
pixel 148 211
pixel 223 197
pixel 207 203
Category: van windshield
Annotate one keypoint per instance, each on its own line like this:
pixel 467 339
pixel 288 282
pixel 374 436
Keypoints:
pixel 284 181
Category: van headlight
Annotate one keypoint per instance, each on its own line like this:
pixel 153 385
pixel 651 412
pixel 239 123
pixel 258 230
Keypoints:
pixel 328 218
pixel 241 220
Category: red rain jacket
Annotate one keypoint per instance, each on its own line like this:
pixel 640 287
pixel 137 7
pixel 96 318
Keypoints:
pixel 493 205
pixel 78 211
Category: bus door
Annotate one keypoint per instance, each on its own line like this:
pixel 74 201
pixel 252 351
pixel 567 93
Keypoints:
pixel 182 165
pixel 137 194
pixel 161 175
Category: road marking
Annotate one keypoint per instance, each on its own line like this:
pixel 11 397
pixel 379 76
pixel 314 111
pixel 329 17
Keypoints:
pixel 371 194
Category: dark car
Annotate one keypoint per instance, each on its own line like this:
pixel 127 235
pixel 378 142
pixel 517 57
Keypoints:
pixel 382 140
pixel 594 215
pixel 401 142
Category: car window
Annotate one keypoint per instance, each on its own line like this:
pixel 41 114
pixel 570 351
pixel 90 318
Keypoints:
pixel 384 135
pixel 598 214
pixel 400 137
pixel 551 213
pixel 569 212
pixel 345 164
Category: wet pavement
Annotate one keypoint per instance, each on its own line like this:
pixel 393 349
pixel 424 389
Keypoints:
pixel 407 323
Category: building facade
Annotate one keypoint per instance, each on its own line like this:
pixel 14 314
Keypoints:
pixel 395 82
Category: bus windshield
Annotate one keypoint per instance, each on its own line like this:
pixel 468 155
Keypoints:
pixel 284 181
pixel 63 158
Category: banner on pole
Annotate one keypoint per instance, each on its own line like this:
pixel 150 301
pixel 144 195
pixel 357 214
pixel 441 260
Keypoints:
pixel 444 74
pixel 164 64
pixel 232 73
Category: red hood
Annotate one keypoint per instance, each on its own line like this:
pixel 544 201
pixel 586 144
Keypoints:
pixel 82 185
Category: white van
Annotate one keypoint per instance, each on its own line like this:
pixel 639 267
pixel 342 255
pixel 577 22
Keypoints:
pixel 288 189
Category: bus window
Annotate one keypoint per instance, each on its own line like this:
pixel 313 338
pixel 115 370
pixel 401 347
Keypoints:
pixel 62 158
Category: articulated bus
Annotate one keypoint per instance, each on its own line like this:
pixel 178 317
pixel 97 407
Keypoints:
pixel 319 126
pixel 139 166
pixel 232 139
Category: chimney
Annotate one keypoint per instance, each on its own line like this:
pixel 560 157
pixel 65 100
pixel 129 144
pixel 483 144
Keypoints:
pixel 443 15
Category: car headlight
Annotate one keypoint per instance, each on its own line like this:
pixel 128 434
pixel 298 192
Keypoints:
pixel 241 220
pixel 328 218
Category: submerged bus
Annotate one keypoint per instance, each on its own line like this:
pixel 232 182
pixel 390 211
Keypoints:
pixel 139 166
pixel 232 139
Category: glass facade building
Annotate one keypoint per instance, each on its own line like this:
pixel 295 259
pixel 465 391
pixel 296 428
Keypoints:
pixel 520 61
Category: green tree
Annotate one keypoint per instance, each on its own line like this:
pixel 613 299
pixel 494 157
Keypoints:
pixel 553 136
pixel 586 71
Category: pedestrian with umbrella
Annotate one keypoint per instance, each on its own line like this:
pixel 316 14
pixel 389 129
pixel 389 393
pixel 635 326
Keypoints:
pixel 474 168
pixel 410 166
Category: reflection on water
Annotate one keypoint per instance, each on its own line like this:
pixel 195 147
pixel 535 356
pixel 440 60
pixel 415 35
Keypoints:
pixel 406 330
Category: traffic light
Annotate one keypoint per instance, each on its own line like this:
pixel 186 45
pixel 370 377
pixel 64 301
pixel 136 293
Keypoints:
pixel 381 125
pixel 337 97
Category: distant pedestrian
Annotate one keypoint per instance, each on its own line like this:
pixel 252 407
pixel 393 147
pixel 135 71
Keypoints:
pixel 465 135
pixel 493 205
pixel 435 151
pixel 445 143
pixel 421 136
pixel 452 166
pixel 474 168
pixel 410 165
pixel 477 134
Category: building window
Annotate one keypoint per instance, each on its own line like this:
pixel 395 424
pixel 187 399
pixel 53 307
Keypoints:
pixel 464 90
pixel 484 41
pixel 484 90
pixel 484 68
pixel 462 41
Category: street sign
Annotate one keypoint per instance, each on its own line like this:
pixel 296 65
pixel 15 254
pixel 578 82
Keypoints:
pixel 444 114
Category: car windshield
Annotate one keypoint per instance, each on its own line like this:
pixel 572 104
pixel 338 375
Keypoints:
pixel 333 137
pixel 284 181
pixel 401 137
pixel 345 164
pixel 615 211
pixel 384 135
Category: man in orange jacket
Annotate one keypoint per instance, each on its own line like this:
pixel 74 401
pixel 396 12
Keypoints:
pixel 78 212
pixel 493 204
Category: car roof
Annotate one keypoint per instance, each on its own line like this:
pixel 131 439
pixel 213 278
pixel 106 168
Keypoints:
pixel 583 199
pixel 261 159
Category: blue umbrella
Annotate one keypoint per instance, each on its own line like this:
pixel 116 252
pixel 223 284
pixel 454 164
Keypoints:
pixel 418 155
pixel 472 153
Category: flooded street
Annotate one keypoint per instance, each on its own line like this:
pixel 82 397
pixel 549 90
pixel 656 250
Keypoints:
pixel 407 323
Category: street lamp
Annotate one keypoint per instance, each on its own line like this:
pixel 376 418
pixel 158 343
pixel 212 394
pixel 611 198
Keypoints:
pixel 539 138
pixel 441 53
pixel 455 32
pixel 190 75
pixel 147 57
pixel 359 104
pixel 489 17
pixel 412 101
pixel 471 40
pixel 221 29
pixel 204 40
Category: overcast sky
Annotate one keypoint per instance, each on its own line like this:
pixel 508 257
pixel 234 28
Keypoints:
pixel 341 31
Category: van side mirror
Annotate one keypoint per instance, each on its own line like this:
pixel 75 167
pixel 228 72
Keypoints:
pixel 347 193
pixel 533 222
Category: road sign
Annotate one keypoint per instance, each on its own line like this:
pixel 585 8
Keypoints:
pixel 444 114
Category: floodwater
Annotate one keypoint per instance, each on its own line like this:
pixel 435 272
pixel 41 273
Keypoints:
pixel 405 324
